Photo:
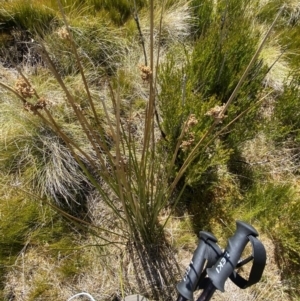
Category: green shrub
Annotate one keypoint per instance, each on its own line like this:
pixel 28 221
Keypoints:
pixel 177 109
pixel 223 52
pixel 286 119
pixel 275 207
pixel 262 202
pixel 203 83
pixel 202 13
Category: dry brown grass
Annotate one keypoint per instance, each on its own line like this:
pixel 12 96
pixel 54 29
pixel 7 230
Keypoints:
pixel 278 163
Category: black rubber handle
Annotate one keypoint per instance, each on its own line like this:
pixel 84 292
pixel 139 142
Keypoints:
pixel 226 264
pixel 207 252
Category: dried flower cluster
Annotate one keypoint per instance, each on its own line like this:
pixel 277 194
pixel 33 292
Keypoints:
pixel 146 72
pixel 192 121
pixel 63 33
pixel 216 113
pixel 40 104
pixel 23 88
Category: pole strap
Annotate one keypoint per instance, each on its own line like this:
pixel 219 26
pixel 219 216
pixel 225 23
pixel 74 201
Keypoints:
pixel 259 261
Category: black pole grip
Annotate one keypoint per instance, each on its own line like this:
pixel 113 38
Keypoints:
pixel 208 292
pixel 207 251
pixel 227 263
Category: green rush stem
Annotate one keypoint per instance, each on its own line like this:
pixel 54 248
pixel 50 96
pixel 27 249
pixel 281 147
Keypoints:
pixel 106 112
pixel 153 111
pixel 137 21
pixel 116 105
pixel 150 107
pixel 78 62
pixel 124 192
pixel 174 204
pixel 83 122
pixel 67 140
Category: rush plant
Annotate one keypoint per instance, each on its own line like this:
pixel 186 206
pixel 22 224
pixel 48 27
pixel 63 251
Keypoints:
pixel 124 166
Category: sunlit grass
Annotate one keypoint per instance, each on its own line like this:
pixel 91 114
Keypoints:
pixel 26 15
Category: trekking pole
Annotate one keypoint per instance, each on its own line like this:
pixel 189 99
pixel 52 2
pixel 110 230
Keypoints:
pixel 210 268
pixel 206 255
pixel 226 264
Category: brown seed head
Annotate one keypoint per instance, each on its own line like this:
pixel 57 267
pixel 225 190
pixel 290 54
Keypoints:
pixel 63 33
pixel 216 113
pixel 146 72
pixel 23 88
pixel 33 108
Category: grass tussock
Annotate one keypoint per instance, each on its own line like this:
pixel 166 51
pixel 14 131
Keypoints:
pixel 39 159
